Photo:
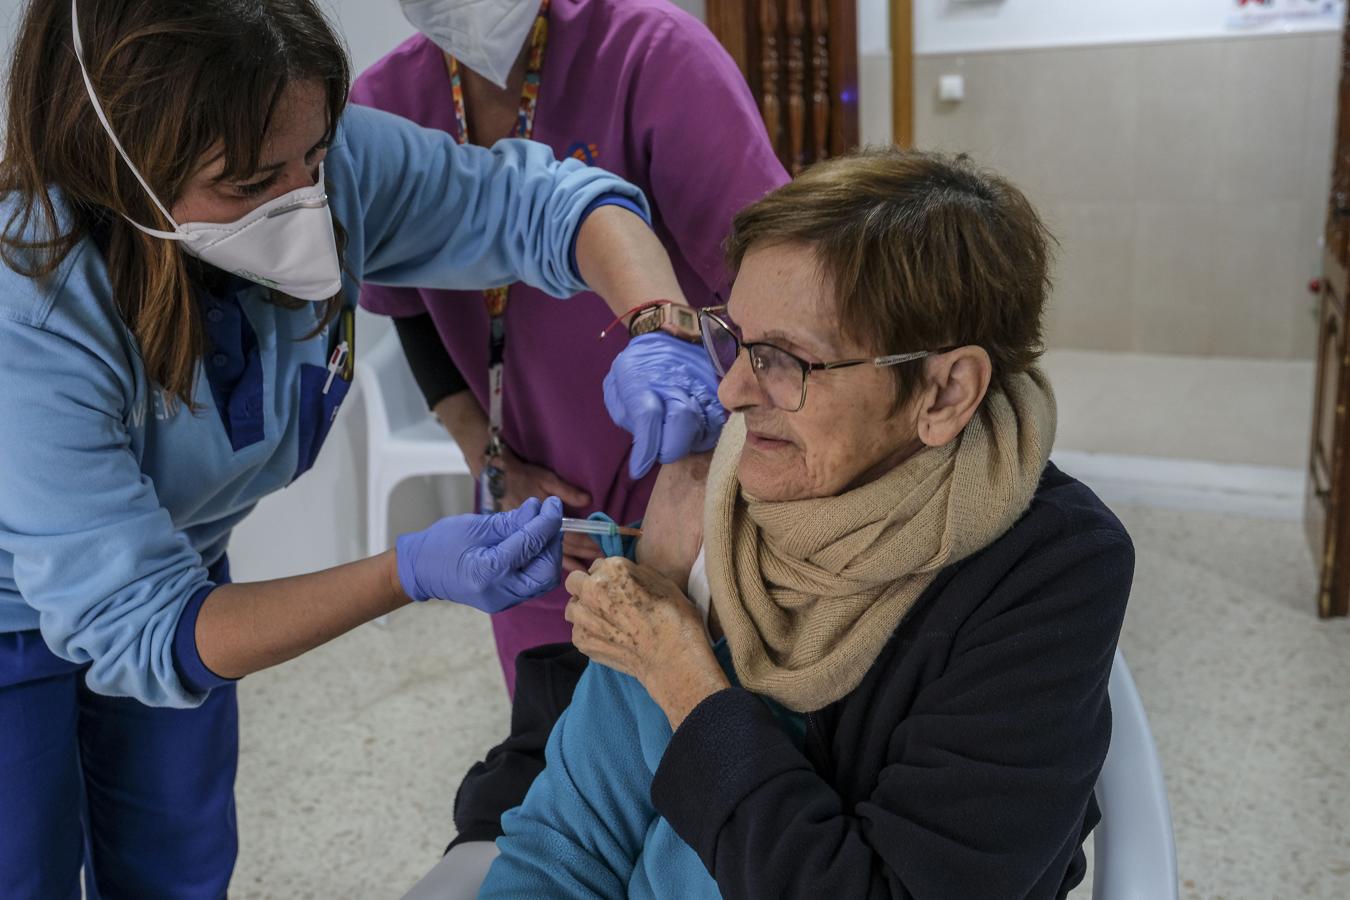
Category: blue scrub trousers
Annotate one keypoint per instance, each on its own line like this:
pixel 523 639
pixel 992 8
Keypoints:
pixel 142 797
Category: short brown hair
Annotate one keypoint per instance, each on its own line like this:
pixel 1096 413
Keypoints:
pixel 925 250
pixel 179 79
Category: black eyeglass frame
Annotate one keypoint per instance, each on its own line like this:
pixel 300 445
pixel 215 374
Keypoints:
pixel 717 313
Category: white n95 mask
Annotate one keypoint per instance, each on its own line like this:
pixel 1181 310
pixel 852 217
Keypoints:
pixel 286 244
pixel 485 35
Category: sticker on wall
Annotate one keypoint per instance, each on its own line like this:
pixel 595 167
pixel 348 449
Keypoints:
pixel 1277 13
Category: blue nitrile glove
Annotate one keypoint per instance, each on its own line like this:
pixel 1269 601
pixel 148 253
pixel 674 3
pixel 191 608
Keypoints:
pixel 664 391
pixel 487 562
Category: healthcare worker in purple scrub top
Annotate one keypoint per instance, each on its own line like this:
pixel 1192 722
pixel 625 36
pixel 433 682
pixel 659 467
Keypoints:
pixel 641 89
pixel 188 208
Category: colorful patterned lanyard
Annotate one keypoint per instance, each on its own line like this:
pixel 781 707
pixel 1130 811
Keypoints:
pixel 492 483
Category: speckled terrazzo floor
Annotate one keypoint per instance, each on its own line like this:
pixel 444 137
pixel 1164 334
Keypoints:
pixel 351 755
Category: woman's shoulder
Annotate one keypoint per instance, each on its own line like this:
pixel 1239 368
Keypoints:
pixel 64 325
pixel 1065 521
pixel 398 80
pixel 1067 505
pixel 367 142
pixel 1066 564
pixel 74 298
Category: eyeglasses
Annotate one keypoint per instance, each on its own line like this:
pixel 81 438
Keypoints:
pixel 781 375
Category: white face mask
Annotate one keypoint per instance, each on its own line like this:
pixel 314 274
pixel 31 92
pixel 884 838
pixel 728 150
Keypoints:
pixel 485 35
pixel 286 244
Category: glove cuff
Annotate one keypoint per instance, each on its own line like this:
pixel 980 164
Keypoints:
pixel 405 551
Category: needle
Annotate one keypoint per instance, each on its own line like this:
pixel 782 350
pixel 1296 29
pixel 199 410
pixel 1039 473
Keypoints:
pixel 592 526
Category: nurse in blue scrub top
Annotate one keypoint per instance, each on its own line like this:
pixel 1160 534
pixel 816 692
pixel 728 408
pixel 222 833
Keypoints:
pixel 187 211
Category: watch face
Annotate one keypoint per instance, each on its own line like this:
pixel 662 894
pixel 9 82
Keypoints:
pixel 684 318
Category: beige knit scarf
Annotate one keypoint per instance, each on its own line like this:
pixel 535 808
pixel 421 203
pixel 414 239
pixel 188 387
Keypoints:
pixel 808 591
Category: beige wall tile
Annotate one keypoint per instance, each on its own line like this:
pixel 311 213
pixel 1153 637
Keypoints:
pixel 1319 146
pixel 1061 123
pixel 1260 284
pixel 874 99
pixel 1090 307
pixel 1308 308
pixel 1173 277
pixel 1080 121
pixel 1187 181
pixel 1179 84
pixel 984 124
pixel 1319 133
pixel 1262 112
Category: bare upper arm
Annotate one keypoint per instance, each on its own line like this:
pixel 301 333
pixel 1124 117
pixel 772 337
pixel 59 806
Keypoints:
pixel 672 530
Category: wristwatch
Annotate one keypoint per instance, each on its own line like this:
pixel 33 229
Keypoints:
pixel 675 319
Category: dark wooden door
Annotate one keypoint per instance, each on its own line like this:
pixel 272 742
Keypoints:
pixel 1328 500
pixel 800 58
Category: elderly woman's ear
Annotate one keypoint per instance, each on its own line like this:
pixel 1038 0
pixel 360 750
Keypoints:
pixel 955 383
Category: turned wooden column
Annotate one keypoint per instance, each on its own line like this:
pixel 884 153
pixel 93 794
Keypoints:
pixel 769 67
pixel 800 58
pixel 820 80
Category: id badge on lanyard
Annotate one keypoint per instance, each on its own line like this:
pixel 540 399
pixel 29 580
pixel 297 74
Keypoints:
pixel 492 483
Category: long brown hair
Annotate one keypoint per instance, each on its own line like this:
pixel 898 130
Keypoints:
pixel 925 251
pixel 178 79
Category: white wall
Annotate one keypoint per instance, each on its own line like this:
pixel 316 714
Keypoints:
pixel 964 26
pixel 9 24
pixel 9 27
pixel 874 72
pixel 696 8
pixel 371 28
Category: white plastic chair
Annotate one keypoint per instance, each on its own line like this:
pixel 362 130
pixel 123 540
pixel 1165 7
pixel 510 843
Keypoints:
pixel 459 875
pixel 403 439
pixel 1134 853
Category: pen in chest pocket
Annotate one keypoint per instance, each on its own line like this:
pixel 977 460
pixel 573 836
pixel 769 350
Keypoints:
pixel 342 358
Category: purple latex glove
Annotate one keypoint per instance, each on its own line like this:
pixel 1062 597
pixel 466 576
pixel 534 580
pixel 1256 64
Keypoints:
pixel 664 391
pixel 487 562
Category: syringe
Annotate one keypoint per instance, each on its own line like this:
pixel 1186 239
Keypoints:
pixel 596 527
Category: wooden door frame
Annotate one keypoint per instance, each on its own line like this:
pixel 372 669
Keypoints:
pixel 1327 499
pixel 902 72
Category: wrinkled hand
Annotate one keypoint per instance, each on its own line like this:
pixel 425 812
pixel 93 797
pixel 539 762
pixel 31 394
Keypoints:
pixel 525 480
pixel 487 562
pixel 664 391
pixel 633 619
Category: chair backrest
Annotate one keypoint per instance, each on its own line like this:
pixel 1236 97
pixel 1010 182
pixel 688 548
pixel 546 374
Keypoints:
pixel 393 400
pixel 1134 853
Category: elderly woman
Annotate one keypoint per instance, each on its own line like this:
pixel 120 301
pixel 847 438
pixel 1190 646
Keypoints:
pixel 888 674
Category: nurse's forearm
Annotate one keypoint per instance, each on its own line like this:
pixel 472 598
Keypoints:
pixel 621 259
pixel 462 416
pixel 243 628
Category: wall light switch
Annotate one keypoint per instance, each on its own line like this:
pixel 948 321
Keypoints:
pixel 951 88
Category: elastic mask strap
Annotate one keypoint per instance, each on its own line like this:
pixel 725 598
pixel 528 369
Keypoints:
pixel 107 126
